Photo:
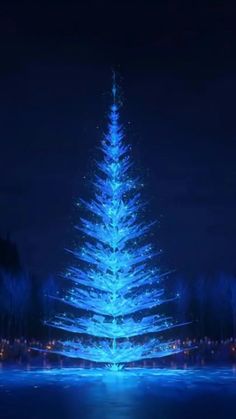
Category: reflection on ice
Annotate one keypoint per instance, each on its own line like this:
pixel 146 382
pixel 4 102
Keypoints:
pixel 167 377
pixel 76 393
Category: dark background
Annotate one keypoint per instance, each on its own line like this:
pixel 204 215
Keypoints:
pixel 176 64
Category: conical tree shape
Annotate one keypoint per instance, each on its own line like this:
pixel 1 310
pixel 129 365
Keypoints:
pixel 115 283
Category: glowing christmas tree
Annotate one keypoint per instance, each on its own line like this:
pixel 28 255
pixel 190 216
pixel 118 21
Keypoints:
pixel 116 288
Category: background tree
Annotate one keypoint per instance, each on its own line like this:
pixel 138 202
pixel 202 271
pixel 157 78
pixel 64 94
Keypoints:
pixel 220 305
pixel 201 297
pixel 232 290
pixel 15 299
pixel 48 289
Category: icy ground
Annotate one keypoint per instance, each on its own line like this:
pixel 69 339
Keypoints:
pixel 71 393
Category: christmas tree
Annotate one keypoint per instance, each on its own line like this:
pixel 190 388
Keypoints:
pixel 116 287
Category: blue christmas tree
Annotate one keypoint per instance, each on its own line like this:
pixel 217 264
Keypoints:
pixel 116 287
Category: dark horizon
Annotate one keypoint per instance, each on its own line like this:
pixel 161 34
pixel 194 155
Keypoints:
pixel 177 75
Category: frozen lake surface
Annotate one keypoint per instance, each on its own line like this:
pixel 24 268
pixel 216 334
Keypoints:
pixel 71 393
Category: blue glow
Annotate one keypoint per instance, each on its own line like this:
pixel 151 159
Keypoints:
pixel 72 393
pixel 115 279
pixel 177 377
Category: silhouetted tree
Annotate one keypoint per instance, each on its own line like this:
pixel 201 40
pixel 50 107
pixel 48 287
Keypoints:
pixel 220 305
pixel 200 294
pixel 232 287
pixel 9 256
pixel 15 297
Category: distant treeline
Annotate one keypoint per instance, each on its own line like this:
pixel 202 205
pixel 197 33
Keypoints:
pixel 25 302
pixel 25 299
pixel 208 303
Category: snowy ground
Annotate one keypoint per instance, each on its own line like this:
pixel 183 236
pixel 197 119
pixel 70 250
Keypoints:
pixel 133 394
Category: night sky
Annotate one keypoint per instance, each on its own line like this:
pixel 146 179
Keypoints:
pixel 177 70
